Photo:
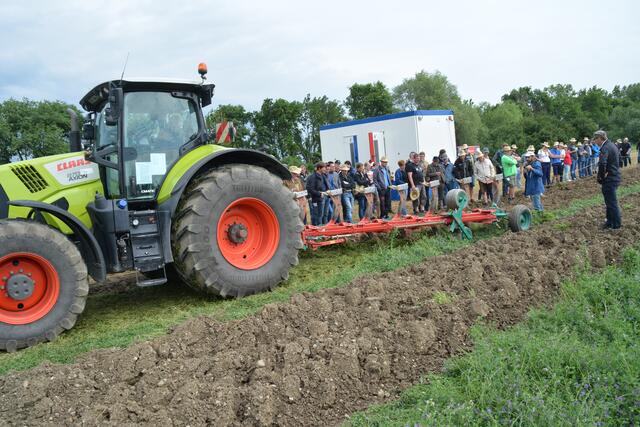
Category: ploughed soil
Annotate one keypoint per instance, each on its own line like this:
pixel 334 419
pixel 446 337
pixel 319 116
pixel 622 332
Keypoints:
pixel 321 356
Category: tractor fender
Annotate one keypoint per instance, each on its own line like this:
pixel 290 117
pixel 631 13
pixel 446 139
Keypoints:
pixel 89 246
pixel 167 209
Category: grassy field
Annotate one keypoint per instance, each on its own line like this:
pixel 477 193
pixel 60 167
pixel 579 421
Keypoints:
pixel 578 364
pixel 118 320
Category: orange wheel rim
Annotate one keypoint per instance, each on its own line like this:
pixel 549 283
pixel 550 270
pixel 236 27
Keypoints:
pixel 248 233
pixel 29 288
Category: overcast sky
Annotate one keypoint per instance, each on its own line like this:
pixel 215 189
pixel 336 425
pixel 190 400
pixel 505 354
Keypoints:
pixel 286 49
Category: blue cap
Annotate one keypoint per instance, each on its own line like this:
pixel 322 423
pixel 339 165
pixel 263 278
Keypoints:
pixel 122 203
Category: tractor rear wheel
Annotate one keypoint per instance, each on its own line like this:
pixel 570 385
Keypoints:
pixel 43 284
pixel 237 231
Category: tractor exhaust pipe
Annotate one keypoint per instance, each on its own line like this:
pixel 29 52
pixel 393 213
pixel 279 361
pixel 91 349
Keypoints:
pixel 74 135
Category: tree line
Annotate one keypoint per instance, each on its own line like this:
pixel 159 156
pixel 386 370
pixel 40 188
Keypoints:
pixel 290 130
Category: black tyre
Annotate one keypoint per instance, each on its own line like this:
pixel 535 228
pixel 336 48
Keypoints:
pixel 43 284
pixel 519 218
pixel 456 198
pixel 237 231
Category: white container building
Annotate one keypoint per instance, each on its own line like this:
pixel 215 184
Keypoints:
pixel 391 135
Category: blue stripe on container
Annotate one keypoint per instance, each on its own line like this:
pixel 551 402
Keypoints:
pixel 388 117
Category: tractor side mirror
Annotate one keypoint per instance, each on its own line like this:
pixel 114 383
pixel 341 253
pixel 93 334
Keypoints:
pixel 88 131
pixel 112 112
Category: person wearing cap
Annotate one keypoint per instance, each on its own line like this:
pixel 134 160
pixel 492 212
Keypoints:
pixel 545 160
pixel 485 173
pixel 609 177
pixel 557 156
pixel 382 181
pixel 348 185
pixel 625 152
pixel 509 168
pixel 317 185
pixel 573 150
pixel 533 186
pixel 435 172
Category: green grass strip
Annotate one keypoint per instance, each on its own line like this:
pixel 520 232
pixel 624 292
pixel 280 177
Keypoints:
pixel 117 320
pixel 577 364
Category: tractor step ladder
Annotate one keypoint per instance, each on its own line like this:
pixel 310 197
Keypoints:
pixel 146 244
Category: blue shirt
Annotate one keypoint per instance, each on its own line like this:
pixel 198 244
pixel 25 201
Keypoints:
pixel 386 176
pixel 595 151
pixel 555 152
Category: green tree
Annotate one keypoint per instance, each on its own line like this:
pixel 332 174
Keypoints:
pixel 275 127
pixel 316 112
pixel 505 125
pixel 33 128
pixel 468 124
pixel 368 100
pixel 241 119
pixel 426 91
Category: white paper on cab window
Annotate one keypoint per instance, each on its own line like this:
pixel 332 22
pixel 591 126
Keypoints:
pixel 143 173
pixel 158 163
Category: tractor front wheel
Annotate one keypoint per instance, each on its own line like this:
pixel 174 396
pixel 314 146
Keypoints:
pixel 237 231
pixel 43 284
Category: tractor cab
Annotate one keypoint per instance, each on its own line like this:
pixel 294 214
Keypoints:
pixel 139 128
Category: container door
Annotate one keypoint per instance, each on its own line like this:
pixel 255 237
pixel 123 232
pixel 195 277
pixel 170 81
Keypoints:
pixel 377 146
pixel 351 142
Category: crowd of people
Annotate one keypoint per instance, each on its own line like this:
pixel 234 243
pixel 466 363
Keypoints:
pixel 486 178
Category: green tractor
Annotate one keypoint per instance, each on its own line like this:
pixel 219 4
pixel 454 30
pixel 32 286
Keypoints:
pixel 151 193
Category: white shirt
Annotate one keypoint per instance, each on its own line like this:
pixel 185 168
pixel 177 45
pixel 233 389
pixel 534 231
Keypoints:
pixel 543 156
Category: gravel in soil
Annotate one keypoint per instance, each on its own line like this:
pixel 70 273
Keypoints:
pixel 321 356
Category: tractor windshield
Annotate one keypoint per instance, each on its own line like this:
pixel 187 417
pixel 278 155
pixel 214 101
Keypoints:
pixel 156 125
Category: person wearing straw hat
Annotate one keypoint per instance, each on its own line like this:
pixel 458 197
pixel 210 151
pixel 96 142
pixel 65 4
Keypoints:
pixel 573 150
pixel 509 168
pixel 609 177
pixel 382 181
pixel 296 185
pixel 463 172
pixel 348 185
pixel 545 160
pixel 514 152
pixel 567 164
pixel 533 186
pixel 557 156
pixel 485 173
pixel 581 156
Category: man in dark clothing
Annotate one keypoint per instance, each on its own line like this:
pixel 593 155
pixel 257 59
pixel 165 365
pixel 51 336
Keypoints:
pixel 362 180
pixel 382 181
pixel 415 178
pixel 435 172
pixel 625 152
pixel 609 177
pixel 348 185
pixel 317 185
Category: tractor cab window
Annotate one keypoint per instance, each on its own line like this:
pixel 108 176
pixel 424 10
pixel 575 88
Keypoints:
pixel 156 125
pixel 107 136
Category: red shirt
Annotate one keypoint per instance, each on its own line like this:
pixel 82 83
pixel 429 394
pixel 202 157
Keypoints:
pixel 567 157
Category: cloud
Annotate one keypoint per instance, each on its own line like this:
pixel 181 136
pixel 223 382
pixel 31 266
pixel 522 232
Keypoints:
pixel 255 50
